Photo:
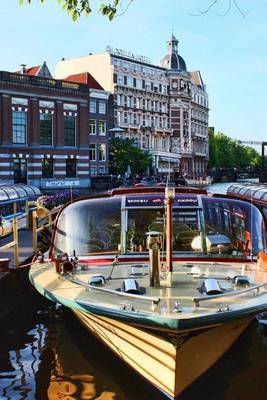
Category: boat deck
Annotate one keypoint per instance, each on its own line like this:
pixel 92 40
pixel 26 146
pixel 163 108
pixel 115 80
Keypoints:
pixel 183 300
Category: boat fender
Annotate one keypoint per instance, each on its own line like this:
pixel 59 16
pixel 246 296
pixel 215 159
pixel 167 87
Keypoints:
pixel 98 280
pixel 211 286
pixel 130 286
pixel 241 280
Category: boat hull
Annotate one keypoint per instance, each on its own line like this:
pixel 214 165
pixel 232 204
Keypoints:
pixel 169 361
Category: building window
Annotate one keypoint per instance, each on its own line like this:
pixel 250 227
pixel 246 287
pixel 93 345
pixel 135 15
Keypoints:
pixel 101 170
pixel 130 81
pixel 102 107
pixel 93 171
pixel 46 129
pixel 92 126
pixel 69 130
pixel 92 152
pixel 119 117
pixel 93 106
pixel 102 127
pixel 71 168
pixel 101 152
pixel 120 80
pixel 47 167
pixel 19 127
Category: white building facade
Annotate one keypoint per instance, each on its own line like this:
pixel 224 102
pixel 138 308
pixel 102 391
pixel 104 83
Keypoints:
pixel 164 109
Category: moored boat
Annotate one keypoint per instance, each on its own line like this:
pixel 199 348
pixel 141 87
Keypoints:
pixel 167 280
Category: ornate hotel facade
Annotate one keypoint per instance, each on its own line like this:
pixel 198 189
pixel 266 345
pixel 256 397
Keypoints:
pixel 164 109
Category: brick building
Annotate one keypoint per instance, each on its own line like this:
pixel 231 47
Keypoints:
pixel 164 109
pixel 44 129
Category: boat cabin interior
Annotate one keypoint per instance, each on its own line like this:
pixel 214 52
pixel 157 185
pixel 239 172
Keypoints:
pixel 120 223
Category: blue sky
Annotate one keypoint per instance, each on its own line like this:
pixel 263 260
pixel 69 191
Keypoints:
pixel 229 51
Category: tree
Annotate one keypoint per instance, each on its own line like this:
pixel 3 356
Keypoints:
pixel 230 153
pixel 115 8
pixel 76 8
pixel 124 153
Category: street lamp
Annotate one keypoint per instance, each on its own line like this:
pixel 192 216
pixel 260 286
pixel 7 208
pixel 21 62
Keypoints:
pixel 169 198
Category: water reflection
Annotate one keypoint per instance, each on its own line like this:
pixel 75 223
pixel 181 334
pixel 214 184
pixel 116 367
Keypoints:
pixel 47 355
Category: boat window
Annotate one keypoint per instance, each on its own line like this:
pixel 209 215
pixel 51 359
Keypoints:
pixel 140 221
pixel 21 192
pixel 232 227
pixel 258 193
pixel 89 226
pixel 264 210
pixel 12 194
pixel 265 196
pixel 29 190
pixel 236 189
pixel 35 189
pixel 243 190
pixel 3 195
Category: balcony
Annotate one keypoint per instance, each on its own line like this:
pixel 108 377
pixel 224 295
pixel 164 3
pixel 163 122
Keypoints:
pixel 23 79
pixel 196 135
pixel 200 153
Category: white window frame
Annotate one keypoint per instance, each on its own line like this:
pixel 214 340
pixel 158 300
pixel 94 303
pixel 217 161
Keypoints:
pixel 102 127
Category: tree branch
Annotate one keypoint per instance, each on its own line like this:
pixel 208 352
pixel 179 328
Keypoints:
pixel 231 4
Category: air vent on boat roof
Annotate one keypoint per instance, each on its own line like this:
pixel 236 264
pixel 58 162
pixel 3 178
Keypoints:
pixel 211 286
pixel 241 280
pixel 98 280
pixel 130 285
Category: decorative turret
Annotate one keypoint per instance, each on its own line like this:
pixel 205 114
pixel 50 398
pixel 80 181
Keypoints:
pixel 173 60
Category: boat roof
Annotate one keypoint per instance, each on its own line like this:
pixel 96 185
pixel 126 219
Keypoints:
pixel 155 189
pixel 248 191
pixel 11 193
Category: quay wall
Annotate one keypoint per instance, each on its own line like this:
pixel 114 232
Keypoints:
pixel 14 287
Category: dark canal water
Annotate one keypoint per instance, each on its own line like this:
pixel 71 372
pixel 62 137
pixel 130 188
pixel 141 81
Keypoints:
pixel 46 354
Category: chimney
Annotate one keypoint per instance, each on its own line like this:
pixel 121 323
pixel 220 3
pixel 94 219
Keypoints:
pixel 23 68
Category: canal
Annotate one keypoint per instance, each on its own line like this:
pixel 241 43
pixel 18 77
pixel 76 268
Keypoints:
pixel 46 354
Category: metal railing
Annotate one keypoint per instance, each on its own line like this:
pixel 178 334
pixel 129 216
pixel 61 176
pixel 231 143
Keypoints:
pixel 15 242
pixel 32 213
pixel 47 221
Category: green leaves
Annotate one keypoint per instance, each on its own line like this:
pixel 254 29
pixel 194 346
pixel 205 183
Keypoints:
pixel 77 8
pixel 226 152
pixel 123 152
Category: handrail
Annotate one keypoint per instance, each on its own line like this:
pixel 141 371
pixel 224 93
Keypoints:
pixel 14 243
pixel 155 300
pixel 36 228
pixel 12 216
pixel 196 300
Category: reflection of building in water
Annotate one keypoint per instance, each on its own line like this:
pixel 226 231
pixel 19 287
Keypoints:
pixel 73 377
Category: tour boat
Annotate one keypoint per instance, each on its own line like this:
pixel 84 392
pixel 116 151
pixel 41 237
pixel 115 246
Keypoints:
pixel 167 278
pixel 253 193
